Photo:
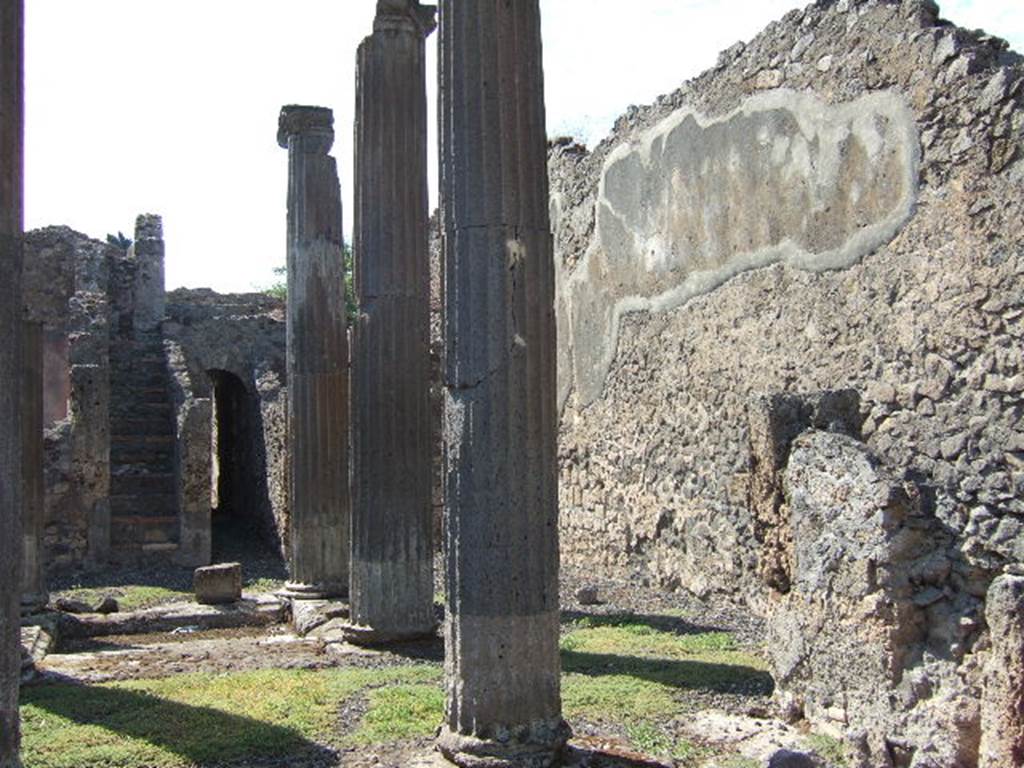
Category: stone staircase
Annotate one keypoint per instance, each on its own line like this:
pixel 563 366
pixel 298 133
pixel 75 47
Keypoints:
pixel 144 515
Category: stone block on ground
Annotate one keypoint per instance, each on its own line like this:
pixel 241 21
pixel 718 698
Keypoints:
pixel 215 584
pixel 308 615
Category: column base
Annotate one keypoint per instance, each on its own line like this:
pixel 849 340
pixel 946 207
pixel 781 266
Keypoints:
pixel 540 746
pixel 295 591
pixel 360 634
pixel 34 603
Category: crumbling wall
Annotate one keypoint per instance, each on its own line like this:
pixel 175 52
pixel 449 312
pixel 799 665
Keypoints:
pixel 835 206
pixel 243 335
pixel 66 288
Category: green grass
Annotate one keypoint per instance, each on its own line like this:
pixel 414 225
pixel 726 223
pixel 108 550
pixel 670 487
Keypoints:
pixel 131 597
pixel 628 672
pixel 196 719
pixel 625 674
pixel 400 712
pixel 829 748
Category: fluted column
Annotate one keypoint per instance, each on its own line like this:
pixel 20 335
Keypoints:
pixel 392 584
pixel 11 196
pixel 33 583
pixel 317 359
pixel 501 510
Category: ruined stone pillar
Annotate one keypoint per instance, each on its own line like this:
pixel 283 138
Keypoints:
pixel 1002 703
pixel 392 583
pixel 11 196
pixel 148 252
pixel 33 582
pixel 501 508
pixel 317 358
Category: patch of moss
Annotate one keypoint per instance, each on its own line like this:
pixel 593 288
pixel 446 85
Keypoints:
pixel 833 750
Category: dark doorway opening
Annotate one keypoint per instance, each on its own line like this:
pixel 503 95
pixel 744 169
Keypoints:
pixel 242 520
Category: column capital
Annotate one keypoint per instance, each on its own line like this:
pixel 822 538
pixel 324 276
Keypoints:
pixel 392 13
pixel 308 122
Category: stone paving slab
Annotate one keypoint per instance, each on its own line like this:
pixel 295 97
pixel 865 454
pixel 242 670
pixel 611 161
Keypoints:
pixel 252 611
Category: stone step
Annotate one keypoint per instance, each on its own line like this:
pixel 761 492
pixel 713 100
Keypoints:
pixel 151 394
pixel 126 484
pixel 130 531
pixel 141 427
pixel 156 457
pixel 132 409
pixel 144 505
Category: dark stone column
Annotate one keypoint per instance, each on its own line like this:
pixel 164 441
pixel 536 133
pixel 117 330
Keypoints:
pixel 33 582
pixel 501 506
pixel 392 582
pixel 317 358
pixel 11 196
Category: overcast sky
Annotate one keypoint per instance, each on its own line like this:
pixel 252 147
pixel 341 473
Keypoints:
pixel 170 106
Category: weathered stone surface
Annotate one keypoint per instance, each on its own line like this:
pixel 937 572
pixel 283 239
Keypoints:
pixel 11 196
pixel 33 581
pixel 1002 708
pixel 221 583
pixel 775 421
pixel 67 289
pixel 392 583
pixel 213 340
pixel 309 615
pixel 502 671
pixel 853 645
pixel 317 358
pixel 259 611
pixel 695 201
pixel 659 476
pixel 147 251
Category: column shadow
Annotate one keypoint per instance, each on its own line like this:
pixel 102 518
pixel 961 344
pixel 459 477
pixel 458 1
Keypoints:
pixel 198 735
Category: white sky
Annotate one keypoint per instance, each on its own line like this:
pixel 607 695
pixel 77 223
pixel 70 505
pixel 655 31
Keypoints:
pixel 170 106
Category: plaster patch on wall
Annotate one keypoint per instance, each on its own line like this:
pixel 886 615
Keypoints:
pixel 784 178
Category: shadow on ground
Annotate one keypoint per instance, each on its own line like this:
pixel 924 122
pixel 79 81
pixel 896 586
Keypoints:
pixel 675 673
pixel 199 735
pixel 663 623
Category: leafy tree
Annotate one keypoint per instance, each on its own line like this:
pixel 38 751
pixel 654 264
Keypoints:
pixel 122 242
pixel 279 289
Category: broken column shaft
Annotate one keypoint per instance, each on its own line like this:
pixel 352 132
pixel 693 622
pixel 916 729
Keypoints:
pixel 317 359
pixel 392 584
pixel 502 668
pixel 33 584
pixel 11 197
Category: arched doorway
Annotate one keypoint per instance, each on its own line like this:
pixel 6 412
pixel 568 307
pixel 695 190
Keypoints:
pixel 242 523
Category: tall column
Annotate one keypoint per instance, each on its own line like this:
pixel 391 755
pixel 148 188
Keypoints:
pixel 501 506
pixel 317 359
pixel 392 584
pixel 11 195
pixel 33 583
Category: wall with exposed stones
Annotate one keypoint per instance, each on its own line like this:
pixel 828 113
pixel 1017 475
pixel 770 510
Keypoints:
pixel 66 288
pixel 95 300
pixel 835 207
pixel 208 334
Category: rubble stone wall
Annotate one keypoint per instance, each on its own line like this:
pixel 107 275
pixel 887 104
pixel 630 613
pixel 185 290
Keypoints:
pixel 242 335
pixel 66 288
pixel 843 215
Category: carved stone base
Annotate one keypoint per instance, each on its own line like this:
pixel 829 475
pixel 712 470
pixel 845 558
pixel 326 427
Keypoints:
pixel 540 746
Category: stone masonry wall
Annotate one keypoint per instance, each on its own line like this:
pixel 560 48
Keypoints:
pixel 835 206
pixel 242 335
pixel 66 288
